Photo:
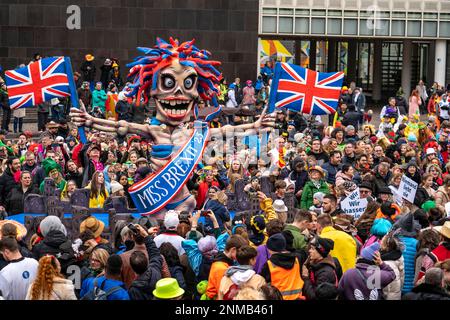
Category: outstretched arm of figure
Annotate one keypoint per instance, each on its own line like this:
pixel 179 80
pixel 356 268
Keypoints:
pixel 265 121
pixel 81 118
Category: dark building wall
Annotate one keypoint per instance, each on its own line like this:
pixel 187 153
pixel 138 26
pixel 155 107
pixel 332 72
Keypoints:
pixel 114 28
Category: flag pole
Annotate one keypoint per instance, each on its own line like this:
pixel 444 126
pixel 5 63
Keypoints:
pixel 74 95
pixel 274 88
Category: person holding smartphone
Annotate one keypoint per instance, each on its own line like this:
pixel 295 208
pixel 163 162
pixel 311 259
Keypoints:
pixel 209 219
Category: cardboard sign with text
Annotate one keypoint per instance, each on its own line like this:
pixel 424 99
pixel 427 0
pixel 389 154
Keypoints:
pixel 353 205
pixel 408 189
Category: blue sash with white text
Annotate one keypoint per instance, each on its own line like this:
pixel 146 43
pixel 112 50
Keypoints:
pixel 156 191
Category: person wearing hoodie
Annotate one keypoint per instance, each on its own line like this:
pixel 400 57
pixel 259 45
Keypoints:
pixel 237 278
pixel 391 253
pixel 221 264
pixel 283 269
pixel 319 267
pixel 301 221
pixel 55 243
pixel 407 230
pixel 356 283
pixel 148 270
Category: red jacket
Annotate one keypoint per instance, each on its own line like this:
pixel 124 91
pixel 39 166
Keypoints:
pixel 203 191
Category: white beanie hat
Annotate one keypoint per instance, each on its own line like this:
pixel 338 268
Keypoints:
pixel 115 186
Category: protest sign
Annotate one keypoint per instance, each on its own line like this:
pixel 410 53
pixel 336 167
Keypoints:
pixel 354 205
pixel 407 189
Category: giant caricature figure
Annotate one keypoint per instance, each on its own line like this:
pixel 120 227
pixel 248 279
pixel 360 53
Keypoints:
pixel 176 76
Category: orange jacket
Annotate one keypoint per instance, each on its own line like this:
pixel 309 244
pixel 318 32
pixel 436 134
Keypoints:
pixel 288 281
pixel 218 269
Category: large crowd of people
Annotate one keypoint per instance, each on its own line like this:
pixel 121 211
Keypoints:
pixel 395 250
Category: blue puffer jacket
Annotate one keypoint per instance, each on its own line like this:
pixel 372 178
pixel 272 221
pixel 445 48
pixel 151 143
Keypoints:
pixel 409 257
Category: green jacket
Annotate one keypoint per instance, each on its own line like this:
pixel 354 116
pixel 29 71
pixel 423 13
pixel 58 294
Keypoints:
pixel 308 192
pixel 299 238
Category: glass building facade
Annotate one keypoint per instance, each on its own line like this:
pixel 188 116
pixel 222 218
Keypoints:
pixel 382 45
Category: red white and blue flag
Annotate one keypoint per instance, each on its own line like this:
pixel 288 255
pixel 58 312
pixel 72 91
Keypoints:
pixel 303 90
pixel 38 82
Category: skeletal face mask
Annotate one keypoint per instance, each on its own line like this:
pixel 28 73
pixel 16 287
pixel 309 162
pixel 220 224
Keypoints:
pixel 175 94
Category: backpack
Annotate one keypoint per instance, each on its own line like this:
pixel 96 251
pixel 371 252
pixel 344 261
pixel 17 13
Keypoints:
pixel 97 293
pixel 374 295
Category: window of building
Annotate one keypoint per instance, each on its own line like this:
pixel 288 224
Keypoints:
pixel 413 28
pixel 414 15
pixel 398 28
pixel 269 10
pixel 318 13
pixel 334 13
pixel 366 27
pixel 444 29
pixel 429 29
pixel 287 12
pixel 382 27
pixel 318 26
pixel 302 25
pixel 286 25
pixel 398 14
pixel 269 24
pixel 302 12
pixel 334 26
pixel 429 15
pixel 350 13
pixel 350 27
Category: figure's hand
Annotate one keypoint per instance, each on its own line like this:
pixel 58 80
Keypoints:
pixel 265 120
pixel 80 117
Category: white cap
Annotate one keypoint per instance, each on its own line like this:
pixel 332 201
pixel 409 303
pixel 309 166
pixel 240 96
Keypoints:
pixel 431 151
pixel 171 220
pixel 279 206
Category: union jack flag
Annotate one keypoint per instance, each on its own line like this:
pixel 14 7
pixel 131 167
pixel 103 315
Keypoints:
pixel 40 81
pixel 303 90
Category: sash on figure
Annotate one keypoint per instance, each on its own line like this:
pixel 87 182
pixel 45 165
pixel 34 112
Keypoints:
pixel 155 192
